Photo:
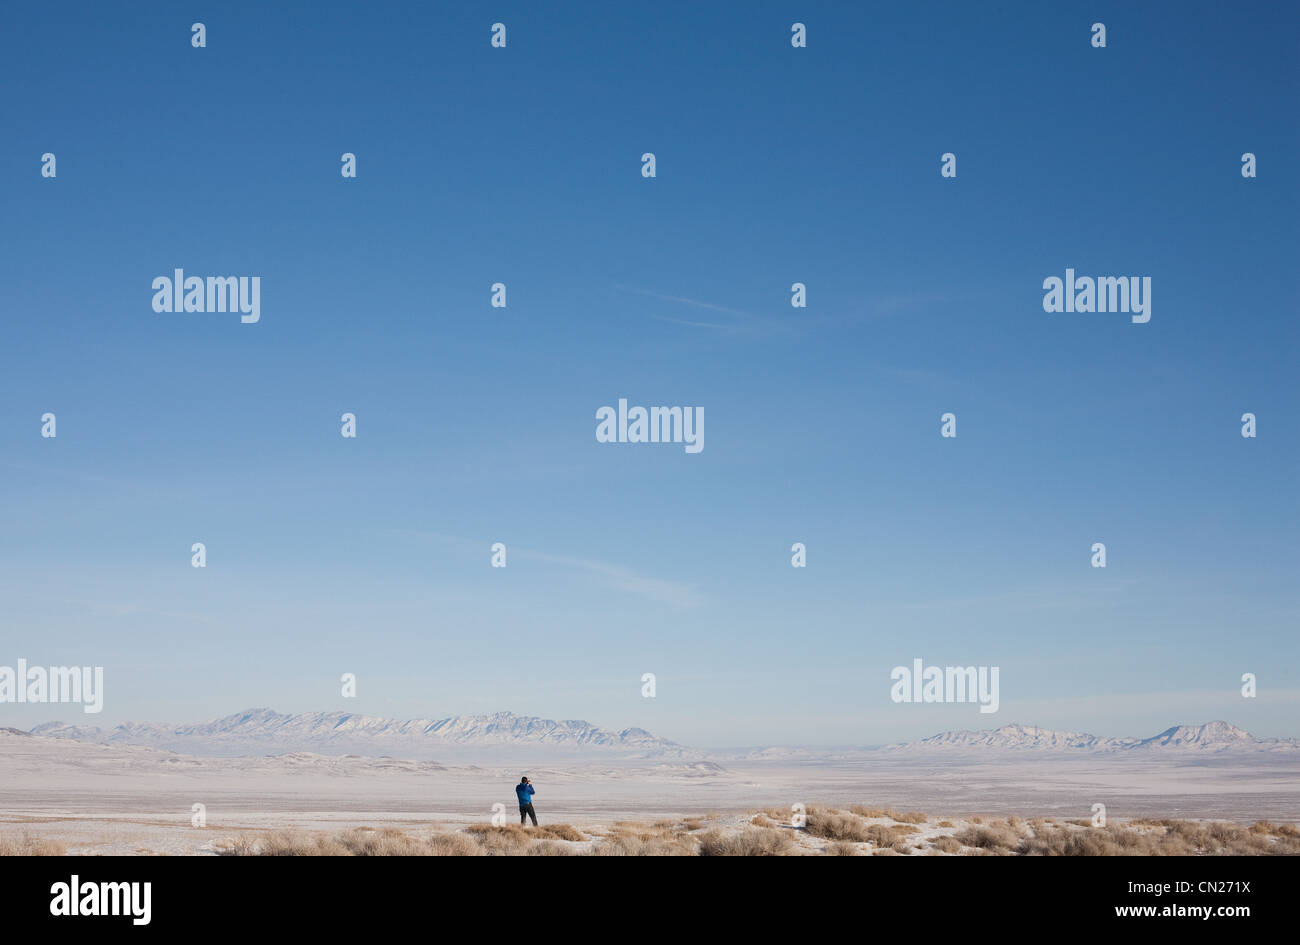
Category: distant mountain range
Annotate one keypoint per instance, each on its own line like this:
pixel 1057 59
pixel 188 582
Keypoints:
pixel 265 731
pixel 1212 736
pixel 262 731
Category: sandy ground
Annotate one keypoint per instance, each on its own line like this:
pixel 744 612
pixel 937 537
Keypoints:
pixel 98 799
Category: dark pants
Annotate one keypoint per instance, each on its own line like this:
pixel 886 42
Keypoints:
pixel 526 810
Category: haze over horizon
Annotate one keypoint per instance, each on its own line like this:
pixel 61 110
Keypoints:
pixel 257 714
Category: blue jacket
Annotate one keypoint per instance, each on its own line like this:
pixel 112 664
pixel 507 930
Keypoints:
pixel 525 793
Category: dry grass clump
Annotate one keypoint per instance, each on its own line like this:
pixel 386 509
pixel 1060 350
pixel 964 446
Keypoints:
pixel 360 841
pixel 519 834
pixel 24 844
pixel 479 830
pixel 863 811
pixel 845 834
pixel 510 840
pixel 848 827
pixel 296 843
pixel 910 817
pixel 1279 830
pixel 992 838
pixel 891 836
pixel 1224 839
pixel 499 841
pixel 947 844
pixel 698 823
pixel 1162 838
pixel 549 848
pixel 476 840
pixel 1099 841
pixel 452 844
pixel 289 843
pixel 751 841
pixel 366 841
pixel 946 823
pixel 662 838
pixel 832 825
pixel 632 845
pixel 243 845
pixel 667 830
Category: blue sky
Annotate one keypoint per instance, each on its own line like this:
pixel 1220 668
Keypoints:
pixel 475 425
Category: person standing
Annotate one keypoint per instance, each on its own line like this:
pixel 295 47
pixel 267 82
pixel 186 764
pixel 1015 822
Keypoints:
pixel 524 791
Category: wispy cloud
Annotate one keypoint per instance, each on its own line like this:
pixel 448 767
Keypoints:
pixel 665 591
pixel 683 300
pixel 897 303
pixel 131 610
pixel 675 593
pixel 915 375
pixel 1047 597
pixel 738 321
pixel 735 321
pixel 52 471
pixel 688 322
